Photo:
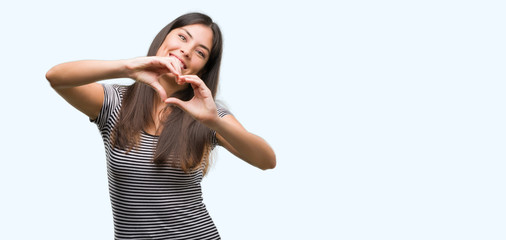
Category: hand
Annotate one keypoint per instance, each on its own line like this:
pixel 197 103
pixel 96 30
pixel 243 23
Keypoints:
pixel 201 107
pixel 149 69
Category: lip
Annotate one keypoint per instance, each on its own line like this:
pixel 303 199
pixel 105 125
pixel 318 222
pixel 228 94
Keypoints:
pixel 178 58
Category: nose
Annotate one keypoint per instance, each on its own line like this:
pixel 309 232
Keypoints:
pixel 184 52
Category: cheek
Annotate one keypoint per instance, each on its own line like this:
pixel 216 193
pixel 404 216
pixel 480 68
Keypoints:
pixel 167 46
pixel 163 50
pixel 197 66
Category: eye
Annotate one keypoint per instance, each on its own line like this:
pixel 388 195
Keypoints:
pixel 182 37
pixel 201 54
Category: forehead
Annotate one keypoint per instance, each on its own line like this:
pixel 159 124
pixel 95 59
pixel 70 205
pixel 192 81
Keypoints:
pixel 201 34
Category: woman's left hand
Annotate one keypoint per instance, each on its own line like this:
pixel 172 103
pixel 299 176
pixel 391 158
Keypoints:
pixel 201 106
pixel 229 132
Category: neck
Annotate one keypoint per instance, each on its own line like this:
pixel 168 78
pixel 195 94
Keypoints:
pixel 170 86
pixel 168 82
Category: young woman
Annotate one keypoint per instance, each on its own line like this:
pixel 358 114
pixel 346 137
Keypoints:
pixel 158 132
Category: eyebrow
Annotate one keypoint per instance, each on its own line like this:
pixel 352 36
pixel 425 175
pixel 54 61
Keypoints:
pixel 201 45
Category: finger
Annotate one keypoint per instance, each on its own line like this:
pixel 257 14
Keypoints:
pixel 177 73
pixel 177 67
pixel 159 89
pixel 197 84
pixel 179 63
pixel 193 83
pixel 193 79
pixel 176 64
pixel 172 68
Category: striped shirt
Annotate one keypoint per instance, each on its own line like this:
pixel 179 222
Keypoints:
pixel 150 201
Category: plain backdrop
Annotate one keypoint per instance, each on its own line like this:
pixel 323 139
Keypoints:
pixel 387 117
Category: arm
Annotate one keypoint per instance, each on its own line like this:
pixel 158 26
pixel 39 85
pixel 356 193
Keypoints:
pixel 76 81
pixel 230 133
pixel 245 145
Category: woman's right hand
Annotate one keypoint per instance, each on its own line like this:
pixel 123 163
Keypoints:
pixel 76 81
pixel 148 70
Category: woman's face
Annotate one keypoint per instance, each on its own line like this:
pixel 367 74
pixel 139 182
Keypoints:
pixel 191 44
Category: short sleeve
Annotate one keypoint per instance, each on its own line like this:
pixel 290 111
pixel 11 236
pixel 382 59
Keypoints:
pixel 111 104
pixel 222 112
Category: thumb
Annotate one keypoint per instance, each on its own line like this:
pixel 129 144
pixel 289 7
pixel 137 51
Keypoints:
pixel 177 102
pixel 159 89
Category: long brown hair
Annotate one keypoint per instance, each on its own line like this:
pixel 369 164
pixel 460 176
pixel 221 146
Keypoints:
pixel 183 142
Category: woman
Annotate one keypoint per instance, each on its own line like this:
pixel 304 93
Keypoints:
pixel 159 131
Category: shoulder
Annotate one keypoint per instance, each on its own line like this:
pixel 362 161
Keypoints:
pixel 120 89
pixel 113 92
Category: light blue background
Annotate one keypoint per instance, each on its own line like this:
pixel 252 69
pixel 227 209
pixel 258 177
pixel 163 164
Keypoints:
pixel 387 117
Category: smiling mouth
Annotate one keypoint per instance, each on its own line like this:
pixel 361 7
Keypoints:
pixel 182 63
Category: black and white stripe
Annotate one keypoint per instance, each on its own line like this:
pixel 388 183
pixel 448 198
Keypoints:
pixel 150 201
